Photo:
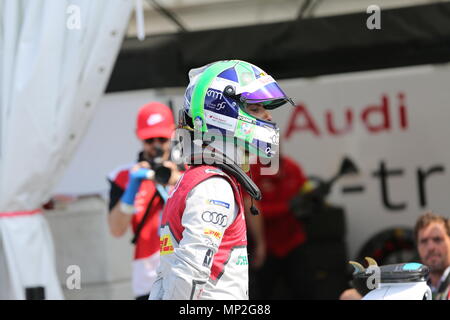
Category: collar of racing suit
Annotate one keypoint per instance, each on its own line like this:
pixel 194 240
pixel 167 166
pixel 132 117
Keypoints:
pixel 224 163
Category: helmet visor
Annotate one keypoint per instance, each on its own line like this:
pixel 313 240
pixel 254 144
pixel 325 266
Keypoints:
pixel 270 95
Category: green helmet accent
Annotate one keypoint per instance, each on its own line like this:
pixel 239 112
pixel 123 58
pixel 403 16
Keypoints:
pixel 202 86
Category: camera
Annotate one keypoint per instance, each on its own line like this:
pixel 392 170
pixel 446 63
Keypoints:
pixel 161 174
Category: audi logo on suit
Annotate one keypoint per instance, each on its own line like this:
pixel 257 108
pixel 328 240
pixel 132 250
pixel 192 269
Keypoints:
pixel 215 218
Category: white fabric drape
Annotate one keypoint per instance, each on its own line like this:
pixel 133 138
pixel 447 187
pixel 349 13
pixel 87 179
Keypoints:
pixel 55 59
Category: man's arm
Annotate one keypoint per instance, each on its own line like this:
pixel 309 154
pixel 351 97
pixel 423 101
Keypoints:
pixel 201 238
pixel 121 201
pixel 118 221
pixel 256 228
pixel 350 294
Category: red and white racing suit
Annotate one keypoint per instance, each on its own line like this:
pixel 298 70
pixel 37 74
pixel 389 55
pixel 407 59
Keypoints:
pixel 203 239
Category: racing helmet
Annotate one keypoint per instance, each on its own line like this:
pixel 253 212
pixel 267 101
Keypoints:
pixel 216 98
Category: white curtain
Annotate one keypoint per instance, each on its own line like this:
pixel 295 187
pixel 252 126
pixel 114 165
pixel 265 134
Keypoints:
pixel 56 57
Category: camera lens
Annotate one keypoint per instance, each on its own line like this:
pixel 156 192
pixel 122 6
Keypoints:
pixel 162 175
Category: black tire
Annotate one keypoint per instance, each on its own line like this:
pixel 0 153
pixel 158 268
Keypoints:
pixel 391 246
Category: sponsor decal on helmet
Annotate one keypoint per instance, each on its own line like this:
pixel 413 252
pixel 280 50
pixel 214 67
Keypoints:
pixel 246 119
pixel 269 151
pixel 198 123
pixel 244 130
pixel 214 94
pixel 216 105
pixel 220 105
pixel 220 121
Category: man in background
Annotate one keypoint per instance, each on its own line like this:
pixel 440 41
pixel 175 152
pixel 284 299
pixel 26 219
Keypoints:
pixel 432 233
pixel 137 200
pixel 284 235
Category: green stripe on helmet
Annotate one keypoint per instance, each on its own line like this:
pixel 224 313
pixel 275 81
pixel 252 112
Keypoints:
pixel 203 83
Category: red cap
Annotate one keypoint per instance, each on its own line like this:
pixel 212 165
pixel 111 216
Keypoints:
pixel 155 120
